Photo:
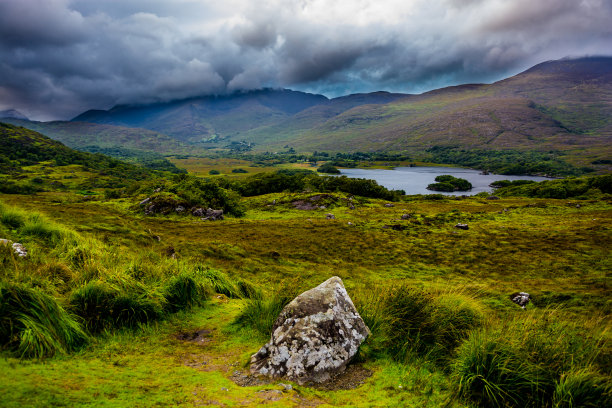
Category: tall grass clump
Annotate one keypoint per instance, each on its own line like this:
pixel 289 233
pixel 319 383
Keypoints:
pixel 223 284
pixel 407 322
pixel 260 312
pixel 533 361
pixel 103 305
pixel 34 226
pixel 34 325
pixel 185 290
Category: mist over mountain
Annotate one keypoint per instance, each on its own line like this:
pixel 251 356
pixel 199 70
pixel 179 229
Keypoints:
pixel 12 114
pixel 563 104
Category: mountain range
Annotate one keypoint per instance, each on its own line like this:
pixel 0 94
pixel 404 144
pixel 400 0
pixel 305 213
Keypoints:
pixel 563 105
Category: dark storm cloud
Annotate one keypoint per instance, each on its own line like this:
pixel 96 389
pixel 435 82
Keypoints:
pixel 60 57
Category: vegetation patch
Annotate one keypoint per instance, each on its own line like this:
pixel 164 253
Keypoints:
pixel 449 183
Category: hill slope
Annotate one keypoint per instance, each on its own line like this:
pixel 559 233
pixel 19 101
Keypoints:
pixel 564 105
pixel 21 148
pixel 79 135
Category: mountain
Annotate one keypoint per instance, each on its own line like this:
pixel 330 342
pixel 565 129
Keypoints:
pixel 12 114
pixel 563 105
pixel 210 117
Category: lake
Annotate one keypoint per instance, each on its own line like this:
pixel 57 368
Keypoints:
pixel 414 180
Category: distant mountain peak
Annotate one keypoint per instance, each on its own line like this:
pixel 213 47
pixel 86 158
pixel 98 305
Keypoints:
pixel 13 114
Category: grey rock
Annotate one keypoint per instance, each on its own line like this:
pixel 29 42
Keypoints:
pixel 389 205
pixel 287 387
pixel 330 216
pixel 198 212
pixel 314 337
pixel 179 209
pixel 462 226
pixel 213 215
pixel 406 216
pixel 146 200
pixel 520 298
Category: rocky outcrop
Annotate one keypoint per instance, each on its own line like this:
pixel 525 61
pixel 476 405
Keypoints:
pixel 314 337
pixel 212 215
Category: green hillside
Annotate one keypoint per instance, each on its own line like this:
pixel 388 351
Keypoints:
pixel 30 161
pixel 78 135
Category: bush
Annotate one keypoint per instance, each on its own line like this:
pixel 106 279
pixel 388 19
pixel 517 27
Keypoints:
pixel 33 324
pixel 239 171
pixel 328 168
pixel 214 172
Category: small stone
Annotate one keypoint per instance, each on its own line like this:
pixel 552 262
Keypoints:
pixel 406 216
pixel 19 250
pixel 350 223
pixel 462 226
pixel 224 389
pixel 330 216
pixel 389 205
pixel 287 387
pixel 146 200
pixel 179 209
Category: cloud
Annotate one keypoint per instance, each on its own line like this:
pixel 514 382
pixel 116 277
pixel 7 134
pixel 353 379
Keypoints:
pixel 60 57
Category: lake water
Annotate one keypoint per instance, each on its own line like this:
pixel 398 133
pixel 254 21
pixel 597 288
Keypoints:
pixel 414 180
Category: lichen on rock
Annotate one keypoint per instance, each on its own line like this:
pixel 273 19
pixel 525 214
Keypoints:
pixel 314 337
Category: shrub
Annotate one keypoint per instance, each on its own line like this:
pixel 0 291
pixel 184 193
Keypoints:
pixel 328 168
pixel 239 171
pixel 33 324
pixel 214 172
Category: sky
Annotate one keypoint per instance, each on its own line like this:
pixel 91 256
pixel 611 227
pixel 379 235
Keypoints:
pixel 59 58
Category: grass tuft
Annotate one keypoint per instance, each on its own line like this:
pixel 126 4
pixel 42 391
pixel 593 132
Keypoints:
pixel 33 324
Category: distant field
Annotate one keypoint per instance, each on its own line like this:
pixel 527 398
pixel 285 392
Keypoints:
pixel 201 166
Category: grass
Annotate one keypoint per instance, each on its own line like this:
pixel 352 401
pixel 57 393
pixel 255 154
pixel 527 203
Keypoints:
pixel 434 297
pixel 535 360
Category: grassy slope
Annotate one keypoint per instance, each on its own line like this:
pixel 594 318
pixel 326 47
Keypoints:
pixel 80 134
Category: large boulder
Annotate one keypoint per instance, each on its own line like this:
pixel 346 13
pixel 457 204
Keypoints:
pixel 314 337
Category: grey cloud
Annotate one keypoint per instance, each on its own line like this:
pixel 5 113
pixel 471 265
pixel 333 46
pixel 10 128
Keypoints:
pixel 60 57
